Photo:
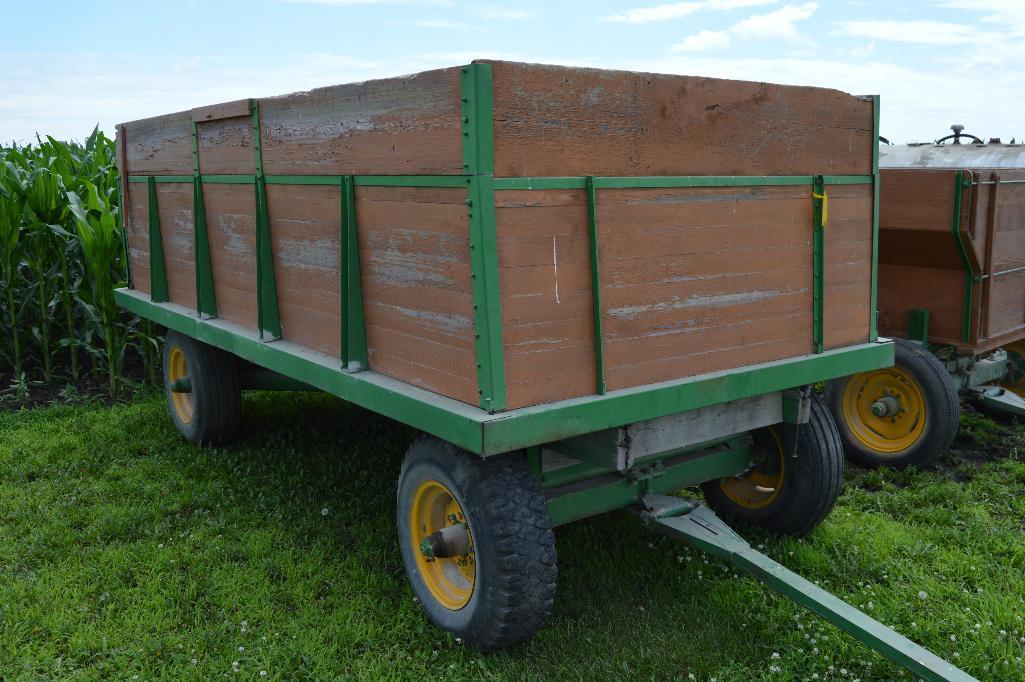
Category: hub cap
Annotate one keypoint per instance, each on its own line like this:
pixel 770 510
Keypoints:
pixel 177 369
pixel 449 579
pixel 884 409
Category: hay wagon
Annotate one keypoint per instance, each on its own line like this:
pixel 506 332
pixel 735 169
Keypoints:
pixel 951 291
pixel 588 289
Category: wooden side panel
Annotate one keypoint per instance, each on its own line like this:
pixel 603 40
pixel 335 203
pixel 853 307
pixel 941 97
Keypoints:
pixel 160 145
pixel 699 280
pixel 174 202
pixel 137 228
pixel 545 284
pixel 305 228
pixel 226 146
pixel 903 288
pixel 1004 306
pixel 916 199
pixel 415 264
pixel 848 265
pixel 231 229
pixel 568 121
pixel 396 126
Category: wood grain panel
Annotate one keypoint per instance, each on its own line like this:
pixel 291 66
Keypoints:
pixel 160 146
pixel 137 229
pixel 305 226
pixel 396 126
pixel 231 230
pixel 545 285
pixel 415 264
pixel 903 288
pixel 174 204
pixel 226 146
pixel 552 120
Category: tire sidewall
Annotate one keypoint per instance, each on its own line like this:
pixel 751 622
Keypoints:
pixel 191 429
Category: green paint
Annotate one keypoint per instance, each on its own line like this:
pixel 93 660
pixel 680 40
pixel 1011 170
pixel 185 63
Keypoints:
pixel 596 306
pixel 489 434
pixel 818 264
pixel 268 318
pixel 157 271
pixel 656 182
pixel 703 529
pixel 566 418
pixel 354 331
pixel 873 333
pixel 960 182
pixel 918 326
pixel 615 491
pixel 479 164
pixel 206 299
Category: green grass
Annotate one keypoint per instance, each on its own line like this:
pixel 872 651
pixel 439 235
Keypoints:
pixel 125 551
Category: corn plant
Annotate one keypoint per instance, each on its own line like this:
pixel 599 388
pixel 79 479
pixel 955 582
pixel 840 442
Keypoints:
pixel 61 255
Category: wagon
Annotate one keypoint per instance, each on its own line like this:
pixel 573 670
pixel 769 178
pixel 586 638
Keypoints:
pixel 951 291
pixel 588 289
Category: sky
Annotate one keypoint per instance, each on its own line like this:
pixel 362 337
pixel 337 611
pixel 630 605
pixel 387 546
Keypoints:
pixel 72 65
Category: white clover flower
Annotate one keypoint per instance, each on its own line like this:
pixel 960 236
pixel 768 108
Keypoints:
pixel 922 595
pixel 263 673
pixel 775 656
pixel 241 649
pixel 324 511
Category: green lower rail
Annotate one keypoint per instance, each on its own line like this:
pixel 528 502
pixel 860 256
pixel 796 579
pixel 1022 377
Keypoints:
pixel 698 526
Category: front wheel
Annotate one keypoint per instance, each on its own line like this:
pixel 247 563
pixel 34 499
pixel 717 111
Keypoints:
pixel 477 542
pixel 900 416
pixel 794 481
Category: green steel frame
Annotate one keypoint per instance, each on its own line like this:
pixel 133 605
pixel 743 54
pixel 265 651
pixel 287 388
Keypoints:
pixel 874 297
pixel 963 180
pixel 491 429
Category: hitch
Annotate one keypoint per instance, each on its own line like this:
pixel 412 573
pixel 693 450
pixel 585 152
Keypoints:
pixel 697 525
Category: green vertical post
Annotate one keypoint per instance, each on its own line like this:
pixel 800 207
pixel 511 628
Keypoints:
pixel 206 302
pixel 268 319
pixel 479 165
pixel 955 224
pixel 596 306
pixel 355 356
pixel 918 326
pixel 873 333
pixel 157 269
pixel 818 262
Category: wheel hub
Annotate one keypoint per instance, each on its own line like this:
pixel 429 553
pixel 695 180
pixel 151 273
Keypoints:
pixel 180 384
pixel 885 409
pixel 444 545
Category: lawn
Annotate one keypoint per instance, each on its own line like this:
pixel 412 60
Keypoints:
pixel 125 552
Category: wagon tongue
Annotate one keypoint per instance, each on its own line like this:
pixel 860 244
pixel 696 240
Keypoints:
pixel 697 525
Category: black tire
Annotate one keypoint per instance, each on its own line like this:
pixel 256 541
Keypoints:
pixel 924 374
pixel 513 542
pixel 808 483
pixel 215 398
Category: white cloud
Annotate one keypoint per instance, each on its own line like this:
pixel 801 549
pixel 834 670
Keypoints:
pixel 916 32
pixel 500 13
pixel 706 40
pixel 773 25
pixel 863 51
pixel 778 24
pixel 644 15
pixel 677 10
pixel 443 23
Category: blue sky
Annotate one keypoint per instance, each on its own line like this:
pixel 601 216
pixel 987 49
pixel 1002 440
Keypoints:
pixel 73 64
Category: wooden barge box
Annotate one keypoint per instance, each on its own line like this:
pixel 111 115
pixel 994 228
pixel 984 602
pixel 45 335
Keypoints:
pixel 952 242
pixel 537 250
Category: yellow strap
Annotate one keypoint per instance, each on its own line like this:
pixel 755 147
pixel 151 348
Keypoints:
pixel 825 206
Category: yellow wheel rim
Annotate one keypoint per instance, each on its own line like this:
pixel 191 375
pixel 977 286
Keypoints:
pixel 450 580
pixel 760 486
pixel 885 409
pixel 1015 380
pixel 178 368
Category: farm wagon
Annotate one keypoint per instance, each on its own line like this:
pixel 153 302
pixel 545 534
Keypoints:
pixel 589 289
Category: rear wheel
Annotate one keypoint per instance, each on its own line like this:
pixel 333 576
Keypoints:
pixel 900 416
pixel 477 542
pixel 795 478
pixel 202 389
